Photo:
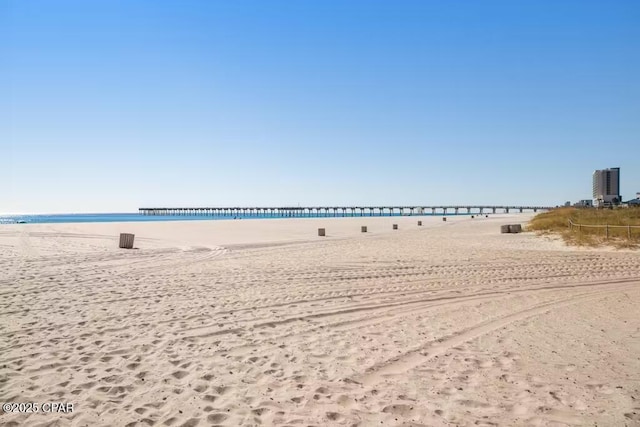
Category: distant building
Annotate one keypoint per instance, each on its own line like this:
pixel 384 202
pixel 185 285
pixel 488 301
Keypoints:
pixel 586 203
pixel 634 202
pixel 606 187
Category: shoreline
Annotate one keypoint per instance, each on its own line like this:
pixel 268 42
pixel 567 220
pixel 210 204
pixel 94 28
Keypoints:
pixel 258 230
pixel 135 217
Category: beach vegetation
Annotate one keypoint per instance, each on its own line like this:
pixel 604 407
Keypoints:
pixel 591 226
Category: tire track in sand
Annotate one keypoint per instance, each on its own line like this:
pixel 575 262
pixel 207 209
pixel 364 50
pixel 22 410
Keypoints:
pixel 416 357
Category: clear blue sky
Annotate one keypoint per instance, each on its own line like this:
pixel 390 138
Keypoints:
pixel 113 105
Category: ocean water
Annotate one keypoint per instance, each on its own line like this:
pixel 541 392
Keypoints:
pixel 135 217
pixel 74 218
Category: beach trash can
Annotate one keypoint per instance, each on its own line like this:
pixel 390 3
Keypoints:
pixel 363 229
pixel 395 226
pixel 444 219
pixel 321 232
pixel 126 240
pixel 419 223
pixel 504 229
pixel 515 228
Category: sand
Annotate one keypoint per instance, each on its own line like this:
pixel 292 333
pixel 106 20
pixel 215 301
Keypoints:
pixel 262 322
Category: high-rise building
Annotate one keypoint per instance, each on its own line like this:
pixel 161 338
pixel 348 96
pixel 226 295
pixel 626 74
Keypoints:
pixel 606 186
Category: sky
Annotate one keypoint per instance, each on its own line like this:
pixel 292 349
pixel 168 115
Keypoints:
pixel 108 106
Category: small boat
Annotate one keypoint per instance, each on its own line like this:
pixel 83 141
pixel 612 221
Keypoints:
pixel 21 221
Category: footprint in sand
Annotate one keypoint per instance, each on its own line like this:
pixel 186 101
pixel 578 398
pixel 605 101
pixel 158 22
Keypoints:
pixel 399 409
pixel 334 416
pixel 180 374
pixel 260 411
pixel 634 416
pixel 216 418
pixel 600 388
pixel 193 422
pixel 200 388
pixel 221 390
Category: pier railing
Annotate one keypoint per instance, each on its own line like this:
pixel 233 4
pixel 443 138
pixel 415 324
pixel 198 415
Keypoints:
pixel 608 229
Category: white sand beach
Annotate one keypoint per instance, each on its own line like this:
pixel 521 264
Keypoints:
pixel 262 322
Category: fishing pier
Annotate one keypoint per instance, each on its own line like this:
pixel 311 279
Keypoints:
pixel 337 211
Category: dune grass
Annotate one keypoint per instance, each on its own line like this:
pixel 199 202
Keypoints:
pixel 556 221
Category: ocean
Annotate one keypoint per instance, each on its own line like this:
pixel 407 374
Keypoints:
pixel 136 217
